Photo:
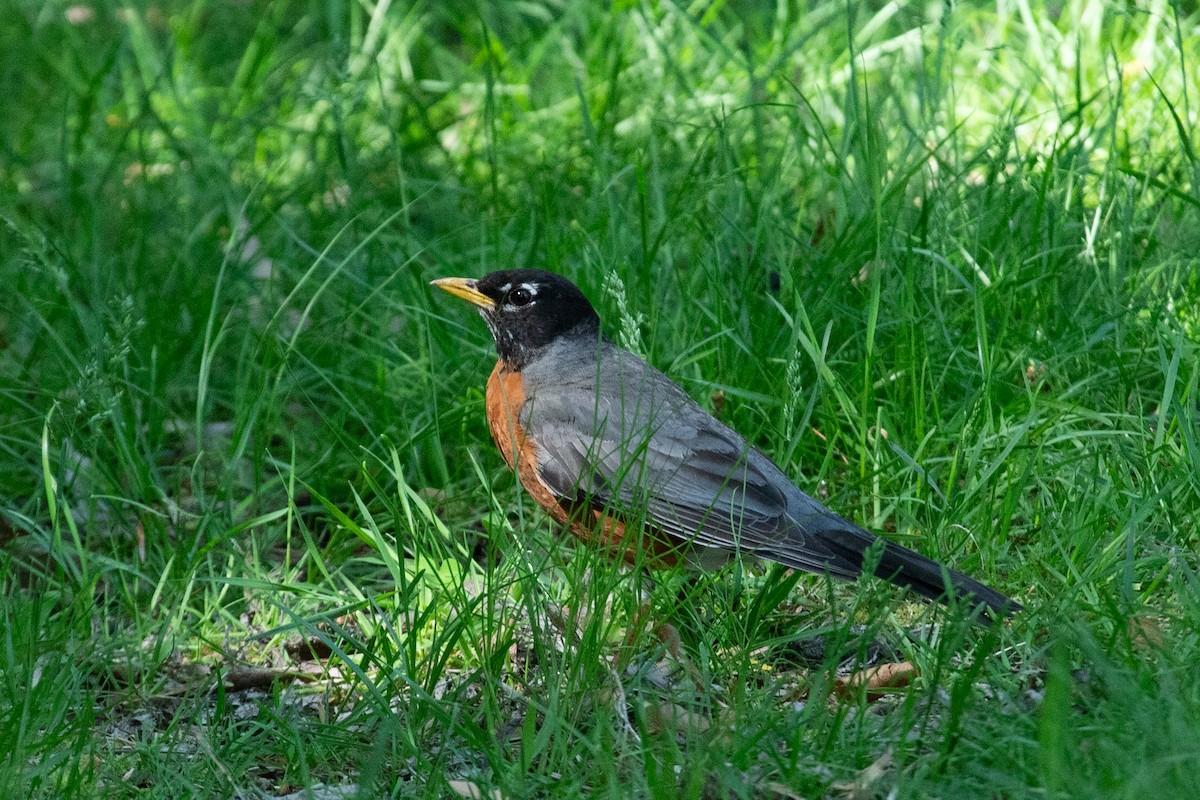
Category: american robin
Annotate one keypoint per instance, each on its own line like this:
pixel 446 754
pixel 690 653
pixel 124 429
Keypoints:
pixel 604 442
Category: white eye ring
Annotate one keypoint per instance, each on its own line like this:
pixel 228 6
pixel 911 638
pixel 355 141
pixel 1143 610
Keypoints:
pixel 520 296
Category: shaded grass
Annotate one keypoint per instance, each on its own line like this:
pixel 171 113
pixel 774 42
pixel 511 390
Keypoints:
pixel 939 264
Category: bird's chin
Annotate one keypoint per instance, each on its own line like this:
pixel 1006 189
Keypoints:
pixel 492 327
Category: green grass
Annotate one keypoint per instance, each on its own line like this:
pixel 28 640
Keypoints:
pixel 939 261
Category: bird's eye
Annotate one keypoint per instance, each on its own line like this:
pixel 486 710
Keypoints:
pixel 520 296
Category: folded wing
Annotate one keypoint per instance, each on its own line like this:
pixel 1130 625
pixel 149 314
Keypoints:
pixel 656 455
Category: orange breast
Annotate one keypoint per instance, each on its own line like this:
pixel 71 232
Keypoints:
pixel 505 398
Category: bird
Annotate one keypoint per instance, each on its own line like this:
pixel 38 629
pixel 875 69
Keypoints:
pixel 622 456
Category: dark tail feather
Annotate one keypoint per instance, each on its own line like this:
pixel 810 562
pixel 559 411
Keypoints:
pixel 922 575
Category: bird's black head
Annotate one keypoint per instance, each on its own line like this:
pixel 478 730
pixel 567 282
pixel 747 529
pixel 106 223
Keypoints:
pixel 526 309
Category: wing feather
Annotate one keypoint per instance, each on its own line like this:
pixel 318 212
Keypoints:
pixel 664 457
pixel 617 433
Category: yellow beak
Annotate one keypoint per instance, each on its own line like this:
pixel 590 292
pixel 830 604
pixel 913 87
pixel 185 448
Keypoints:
pixel 465 288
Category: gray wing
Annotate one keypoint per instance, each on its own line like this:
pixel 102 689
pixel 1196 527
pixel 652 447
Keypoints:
pixel 655 452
